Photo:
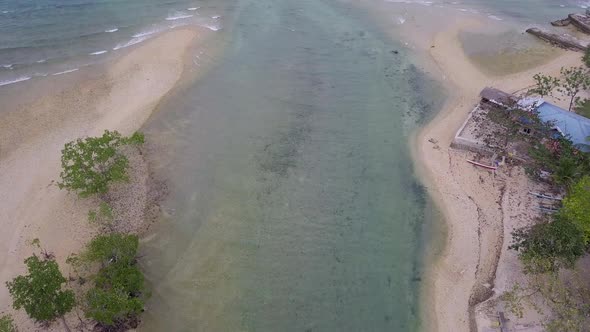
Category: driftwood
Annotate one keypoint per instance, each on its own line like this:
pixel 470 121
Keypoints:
pixel 563 40
pixel 561 23
pixel 580 21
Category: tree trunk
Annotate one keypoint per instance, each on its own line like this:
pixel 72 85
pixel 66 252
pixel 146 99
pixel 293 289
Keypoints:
pixel 63 320
pixel 571 103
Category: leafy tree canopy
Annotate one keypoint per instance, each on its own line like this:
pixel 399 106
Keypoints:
pixel 576 206
pixel 89 165
pixel 108 306
pixel 548 246
pixel 111 248
pixel 7 324
pixel 40 292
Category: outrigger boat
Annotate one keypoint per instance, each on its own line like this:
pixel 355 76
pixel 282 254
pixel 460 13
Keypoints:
pixel 493 168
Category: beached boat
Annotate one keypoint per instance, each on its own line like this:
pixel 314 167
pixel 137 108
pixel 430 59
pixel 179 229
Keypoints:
pixel 493 168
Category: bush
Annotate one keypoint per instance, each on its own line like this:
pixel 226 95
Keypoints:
pixel 7 324
pixel 576 206
pixel 566 163
pixel 586 57
pixel 548 246
pixel 111 306
pixel 111 248
pixel 40 292
pixel 117 296
pixel 91 164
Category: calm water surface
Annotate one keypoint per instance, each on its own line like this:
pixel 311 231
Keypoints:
pixel 293 202
pixel 293 205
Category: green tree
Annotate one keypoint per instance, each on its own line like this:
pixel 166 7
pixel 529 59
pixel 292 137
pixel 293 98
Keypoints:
pixel 89 165
pixel 40 292
pixel 586 57
pixel 112 305
pixel 576 206
pixel 117 296
pixel 544 85
pixel 575 79
pixel 7 324
pixel 109 248
pixel 549 245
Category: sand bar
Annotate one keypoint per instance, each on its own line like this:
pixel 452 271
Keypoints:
pixel 32 135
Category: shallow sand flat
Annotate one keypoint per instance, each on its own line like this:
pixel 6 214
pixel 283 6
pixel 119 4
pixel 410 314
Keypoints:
pixel 457 187
pixel 32 136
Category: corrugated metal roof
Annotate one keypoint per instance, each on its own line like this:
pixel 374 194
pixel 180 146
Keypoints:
pixel 575 126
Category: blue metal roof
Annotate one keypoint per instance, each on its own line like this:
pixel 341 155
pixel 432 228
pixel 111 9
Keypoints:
pixel 572 125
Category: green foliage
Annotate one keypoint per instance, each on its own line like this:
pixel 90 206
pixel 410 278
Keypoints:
pixel 566 163
pixel 583 108
pixel 121 276
pixel 575 79
pixel 7 324
pixel 110 248
pixel 514 301
pixel 117 295
pixel 586 57
pixel 548 246
pixel 576 206
pixel 89 165
pixel 40 292
pixel 567 301
pixel 103 215
pixel 109 306
pixel 544 85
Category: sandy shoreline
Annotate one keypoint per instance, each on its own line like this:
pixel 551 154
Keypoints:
pixel 32 135
pixel 469 199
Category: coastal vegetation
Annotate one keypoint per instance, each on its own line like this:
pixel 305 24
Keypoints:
pixel 91 164
pixel 117 295
pixel 7 324
pixel 551 248
pixel 110 289
pixel 40 292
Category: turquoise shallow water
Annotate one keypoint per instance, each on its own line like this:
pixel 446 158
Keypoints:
pixel 45 37
pixel 293 202
pixel 293 205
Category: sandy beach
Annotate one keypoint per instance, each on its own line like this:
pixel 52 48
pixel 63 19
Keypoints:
pixel 473 201
pixel 121 98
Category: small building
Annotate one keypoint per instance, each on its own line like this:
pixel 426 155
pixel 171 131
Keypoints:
pixel 497 98
pixel 571 125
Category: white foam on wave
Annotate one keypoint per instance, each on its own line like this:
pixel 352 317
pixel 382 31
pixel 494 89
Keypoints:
pixel 147 32
pixel 8 66
pixel 193 8
pixel 41 61
pixel 494 17
pixel 6 12
pixel 16 80
pixel 112 30
pixel 99 52
pixel 401 20
pixel 212 27
pixel 216 17
pixel 178 16
pixel 133 41
pixel 65 72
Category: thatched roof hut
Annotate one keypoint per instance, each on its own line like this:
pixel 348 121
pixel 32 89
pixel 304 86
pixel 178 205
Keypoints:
pixel 498 98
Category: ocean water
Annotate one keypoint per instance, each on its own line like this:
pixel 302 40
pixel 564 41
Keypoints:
pixel 40 38
pixel 293 204
pixel 48 37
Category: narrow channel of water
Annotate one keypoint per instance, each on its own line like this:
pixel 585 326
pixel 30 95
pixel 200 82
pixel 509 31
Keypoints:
pixel 292 205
